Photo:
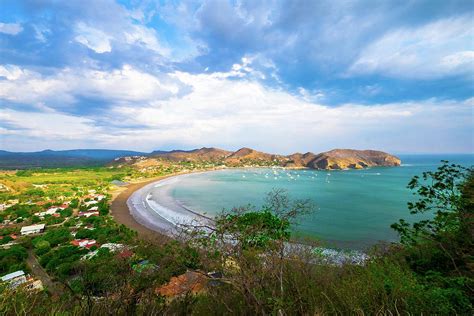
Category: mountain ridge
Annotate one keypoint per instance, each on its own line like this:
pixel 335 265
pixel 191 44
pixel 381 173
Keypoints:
pixel 333 159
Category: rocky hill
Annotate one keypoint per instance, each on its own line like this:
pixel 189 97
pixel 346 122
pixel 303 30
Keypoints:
pixel 202 154
pixel 352 159
pixel 331 160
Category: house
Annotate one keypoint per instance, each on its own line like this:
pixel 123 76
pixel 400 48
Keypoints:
pixel 32 229
pixel 111 246
pixel 18 278
pixel 49 211
pixel 90 203
pixel 190 282
pixel 89 214
pixel 84 243
pixel 15 278
pixel 65 205
pixel 94 208
pixel 34 285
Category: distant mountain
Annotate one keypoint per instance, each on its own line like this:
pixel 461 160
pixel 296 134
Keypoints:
pixel 62 158
pixel 334 159
pixel 352 159
pixel 202 154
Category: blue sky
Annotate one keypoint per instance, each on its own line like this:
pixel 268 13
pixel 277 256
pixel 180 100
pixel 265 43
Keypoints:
pixel 280 76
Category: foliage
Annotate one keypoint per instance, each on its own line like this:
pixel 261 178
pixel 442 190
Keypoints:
pixel 430 273
pixel 55 236
pixel 440 249
pixel 12 259
pixel 62 260
pixel 254 229
pixel 440 195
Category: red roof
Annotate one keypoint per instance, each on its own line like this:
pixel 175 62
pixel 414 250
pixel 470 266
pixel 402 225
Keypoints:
pixel 189 282
pixel 86 243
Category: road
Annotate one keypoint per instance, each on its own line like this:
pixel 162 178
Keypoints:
pixel 37 270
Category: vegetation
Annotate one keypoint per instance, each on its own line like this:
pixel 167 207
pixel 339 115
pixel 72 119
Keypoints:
pixel 255 270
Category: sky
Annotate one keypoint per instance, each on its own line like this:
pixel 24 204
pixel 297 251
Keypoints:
pixel 277 76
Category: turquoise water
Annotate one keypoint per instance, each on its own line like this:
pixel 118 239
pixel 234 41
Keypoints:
pixel 353 208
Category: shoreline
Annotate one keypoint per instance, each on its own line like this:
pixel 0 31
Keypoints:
pixel 162 228
pixel 121 211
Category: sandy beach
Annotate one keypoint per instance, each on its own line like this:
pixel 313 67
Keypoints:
pixel 154 223
pixel 121 213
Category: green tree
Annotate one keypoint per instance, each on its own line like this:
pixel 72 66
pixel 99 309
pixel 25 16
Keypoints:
pixel 439 194
pixel 42 247
pixel 245 236
pixel 439 249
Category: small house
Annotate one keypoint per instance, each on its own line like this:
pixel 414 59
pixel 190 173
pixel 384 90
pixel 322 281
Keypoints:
pixel 84 243
pixel 88 214
pixel 32 229
pixel 15 278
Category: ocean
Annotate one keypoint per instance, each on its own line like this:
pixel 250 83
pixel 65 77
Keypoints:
pixel 353 209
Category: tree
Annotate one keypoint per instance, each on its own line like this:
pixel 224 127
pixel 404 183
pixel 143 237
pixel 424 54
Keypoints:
pixel 246 240
pixel 57 236
pixel 439 194
pixel 42 247
pixel 440 248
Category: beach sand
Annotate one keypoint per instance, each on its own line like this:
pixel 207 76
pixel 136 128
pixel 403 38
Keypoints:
pixel 151 226
pixel 121 213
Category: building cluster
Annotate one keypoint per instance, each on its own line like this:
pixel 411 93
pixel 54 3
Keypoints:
pixel 20 279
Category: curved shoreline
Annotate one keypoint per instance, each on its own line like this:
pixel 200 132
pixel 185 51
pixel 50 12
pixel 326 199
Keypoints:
pixel 121 210
pixel 129 208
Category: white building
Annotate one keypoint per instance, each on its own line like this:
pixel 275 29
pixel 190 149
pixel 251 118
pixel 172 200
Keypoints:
pixel 49 211
pixel 18 278
pixel 32 229
pixel 90 203
pixel 15 278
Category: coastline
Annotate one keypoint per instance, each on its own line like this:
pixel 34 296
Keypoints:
pixel 121 210
pixel 132 200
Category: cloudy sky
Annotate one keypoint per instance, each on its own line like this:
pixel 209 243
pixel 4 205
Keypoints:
pixel 279 76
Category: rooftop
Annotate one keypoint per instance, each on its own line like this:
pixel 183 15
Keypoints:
pixel 13 275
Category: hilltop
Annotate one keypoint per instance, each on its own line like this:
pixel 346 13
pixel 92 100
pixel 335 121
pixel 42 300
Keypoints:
pixel 330 160
pixel 206 156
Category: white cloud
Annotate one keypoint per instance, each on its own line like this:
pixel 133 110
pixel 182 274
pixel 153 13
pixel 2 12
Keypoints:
pixel 100 38
pixel 229 110
pixel 230 113
pixel 48 127
pixel 147 37
pixel 122 85
pixel 437 49
pixel 93 38
pixel 10 28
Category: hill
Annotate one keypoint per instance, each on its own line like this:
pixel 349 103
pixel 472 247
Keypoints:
pixel 331 160
pixel 62 158
pixel 352 159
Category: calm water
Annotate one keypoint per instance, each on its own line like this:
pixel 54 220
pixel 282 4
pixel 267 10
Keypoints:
pixel 354 208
